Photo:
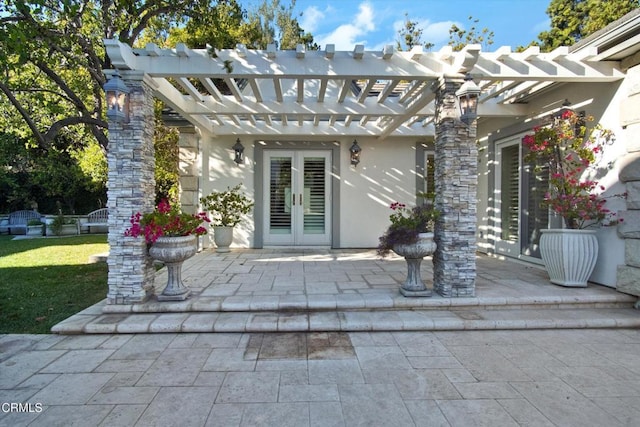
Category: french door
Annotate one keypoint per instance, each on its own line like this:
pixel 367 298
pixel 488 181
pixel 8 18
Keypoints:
pixel 297 197
pixel 519 191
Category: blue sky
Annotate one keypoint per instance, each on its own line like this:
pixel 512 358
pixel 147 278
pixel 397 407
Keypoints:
pixel 375 23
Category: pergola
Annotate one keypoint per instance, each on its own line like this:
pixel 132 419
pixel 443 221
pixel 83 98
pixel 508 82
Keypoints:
pixel 282 94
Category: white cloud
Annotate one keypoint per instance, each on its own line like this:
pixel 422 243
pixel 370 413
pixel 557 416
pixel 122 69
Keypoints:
pixel 348 35
pixel 311 16
pixel 438 32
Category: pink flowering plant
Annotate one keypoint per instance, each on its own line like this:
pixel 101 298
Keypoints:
pixel 568 150
pixel 406 224
pixel 166 220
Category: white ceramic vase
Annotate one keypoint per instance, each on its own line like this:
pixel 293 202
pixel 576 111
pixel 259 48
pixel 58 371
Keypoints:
pixel 569 255
pixel 222 237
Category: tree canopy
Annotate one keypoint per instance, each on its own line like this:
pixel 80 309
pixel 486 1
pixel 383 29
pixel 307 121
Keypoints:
pixel 573 20
pixel 52 60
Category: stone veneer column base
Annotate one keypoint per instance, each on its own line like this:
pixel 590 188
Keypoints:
pixel 131 189
pixel 456 177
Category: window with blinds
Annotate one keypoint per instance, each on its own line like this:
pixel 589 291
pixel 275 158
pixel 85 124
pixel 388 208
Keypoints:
pixel 314 195
pixel 280 195
pixel 510 180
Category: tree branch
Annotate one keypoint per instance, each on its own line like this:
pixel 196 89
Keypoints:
pixel 55 128
pixel 24 113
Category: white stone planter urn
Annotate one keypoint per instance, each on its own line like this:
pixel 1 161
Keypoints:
pixel 569 255
pixel 222 237
pixel 173 251
pixel 413 254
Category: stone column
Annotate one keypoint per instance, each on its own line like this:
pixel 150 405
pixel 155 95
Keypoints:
pixel 189 152
pixel 131 189
pixel 628 277
pixel 456 179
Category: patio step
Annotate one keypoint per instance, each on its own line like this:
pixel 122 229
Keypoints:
pixel 447 314
pixel 372 302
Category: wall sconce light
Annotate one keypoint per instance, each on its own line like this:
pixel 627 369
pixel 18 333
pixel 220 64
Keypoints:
pixel 355 151
pixel 117 94
pixel 238 149
pixel 468 99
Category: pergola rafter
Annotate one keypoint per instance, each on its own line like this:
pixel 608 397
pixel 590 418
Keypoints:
pixel 359 92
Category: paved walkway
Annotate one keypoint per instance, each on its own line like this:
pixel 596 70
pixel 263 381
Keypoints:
pixel 470 378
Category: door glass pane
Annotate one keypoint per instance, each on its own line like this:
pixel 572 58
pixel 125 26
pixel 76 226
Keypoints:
pixel 537 215
pixel 314 195
pixel 509 185
pixel 429 178
pixel 280 196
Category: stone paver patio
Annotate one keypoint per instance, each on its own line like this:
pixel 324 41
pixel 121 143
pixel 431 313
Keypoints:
pixel 580 378
pixel 279 290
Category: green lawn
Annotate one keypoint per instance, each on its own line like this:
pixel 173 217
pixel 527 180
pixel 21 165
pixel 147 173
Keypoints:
pixel 44 281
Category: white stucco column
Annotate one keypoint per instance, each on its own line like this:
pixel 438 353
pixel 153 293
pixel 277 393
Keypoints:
pixel 130 189
pixel 456 179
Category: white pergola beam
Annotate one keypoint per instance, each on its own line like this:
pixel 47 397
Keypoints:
pixel 388 89
pixel 358 51
pixel 490 65
pixel 330 51
pixel 264 106
pixel 300 91
pixel 233 87
pixel 322 90
pixel 346 87
pixel 255 88
pixel 271 51
pixel 387 52
pixel 190 88
pixel 365 91
pixel 211 88
pixel 277 87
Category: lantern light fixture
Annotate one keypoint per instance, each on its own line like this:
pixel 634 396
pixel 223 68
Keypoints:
pixel 355 151
pixel 238 149
pixel 468 100
pixel 117 94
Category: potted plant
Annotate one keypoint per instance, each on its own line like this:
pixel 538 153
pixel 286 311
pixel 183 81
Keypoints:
pixel 171 236
pixel 62 226
pixel 226 209
pixel 567 150
pixel 410 235
pixel 35 227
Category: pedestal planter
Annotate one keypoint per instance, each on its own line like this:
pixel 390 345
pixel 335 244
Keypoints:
pixel 222 237
pixel 173 251
pixel 569 255
pixel 413 254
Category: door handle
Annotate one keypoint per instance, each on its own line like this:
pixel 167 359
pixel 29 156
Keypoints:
pixel 293 199
pixel 300 199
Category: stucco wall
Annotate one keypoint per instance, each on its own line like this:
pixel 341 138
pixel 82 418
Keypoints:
pixel 603 102
pixel 385 174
